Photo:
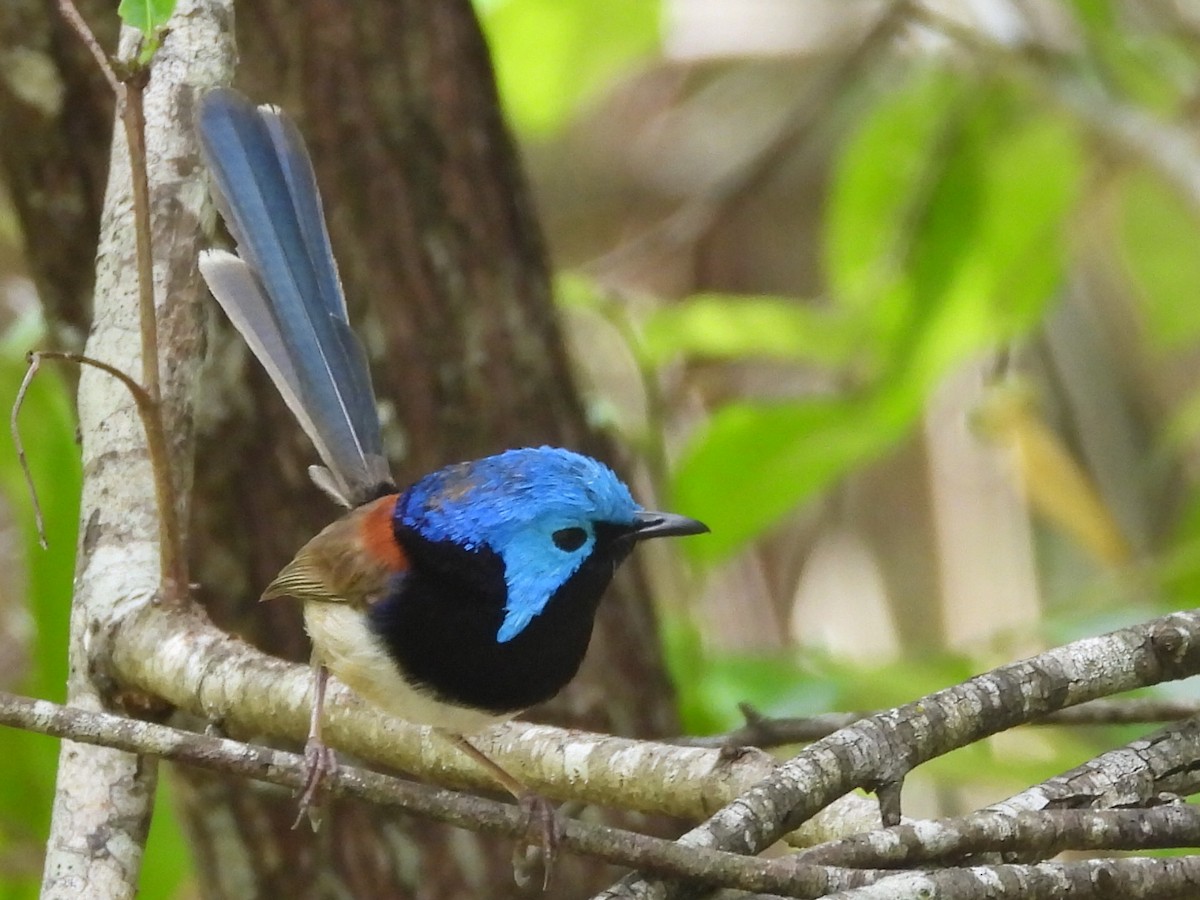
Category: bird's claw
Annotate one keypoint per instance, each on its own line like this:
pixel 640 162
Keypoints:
pixel 543 833
pixel 321 762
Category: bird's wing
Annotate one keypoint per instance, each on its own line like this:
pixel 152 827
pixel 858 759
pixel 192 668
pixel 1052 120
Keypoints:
pixel 353 560
pixel 282 290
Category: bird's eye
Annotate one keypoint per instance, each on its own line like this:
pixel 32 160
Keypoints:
pixel 569 539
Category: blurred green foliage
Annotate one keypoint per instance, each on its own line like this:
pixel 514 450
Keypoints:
pixel 944 237
pixel 1160 237
pixel 550 56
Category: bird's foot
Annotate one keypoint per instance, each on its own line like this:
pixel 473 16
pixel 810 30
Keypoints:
pixel 543 833
pixel 321 762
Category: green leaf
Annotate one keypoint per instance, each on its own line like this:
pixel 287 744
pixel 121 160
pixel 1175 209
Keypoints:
pixel 753 463
pixel 878 170
pixel 1031 182
pixel 1159 235
pixel 977 293
pixel 945 238
pixel 550 55
pixel 944 214
pixel 147 16
pixel 726 326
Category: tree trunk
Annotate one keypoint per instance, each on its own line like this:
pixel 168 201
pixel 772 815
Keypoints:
pixel 447 279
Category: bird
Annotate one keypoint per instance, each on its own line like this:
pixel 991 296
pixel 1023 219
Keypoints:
pixel 461 600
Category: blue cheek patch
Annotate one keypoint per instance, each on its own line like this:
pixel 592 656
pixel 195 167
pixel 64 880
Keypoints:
pixel 534 569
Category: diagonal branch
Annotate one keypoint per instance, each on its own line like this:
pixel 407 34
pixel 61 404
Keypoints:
pixel 1166 762
pixel 880 751
pixel 769 731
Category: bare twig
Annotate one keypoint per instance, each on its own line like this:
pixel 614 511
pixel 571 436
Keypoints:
pixel 174 557
pixel 71 13
pixel 35 357
pixel 39 522
pixel 129 90
pixel 766 731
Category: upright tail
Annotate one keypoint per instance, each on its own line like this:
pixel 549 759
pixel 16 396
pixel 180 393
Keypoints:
pixel 282 290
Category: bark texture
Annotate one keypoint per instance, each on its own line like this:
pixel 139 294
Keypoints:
pixel 104 797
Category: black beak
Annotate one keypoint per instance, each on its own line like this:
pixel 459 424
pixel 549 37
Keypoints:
pixel 648 524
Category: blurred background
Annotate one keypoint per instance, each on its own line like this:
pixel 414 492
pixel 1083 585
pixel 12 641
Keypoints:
pixel 902 299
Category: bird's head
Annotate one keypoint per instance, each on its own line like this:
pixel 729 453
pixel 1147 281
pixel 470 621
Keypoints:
pixel 542 512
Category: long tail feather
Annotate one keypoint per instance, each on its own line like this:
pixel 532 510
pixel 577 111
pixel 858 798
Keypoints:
pixel 282 290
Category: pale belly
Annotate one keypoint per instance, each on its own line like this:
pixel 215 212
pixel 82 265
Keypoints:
pixel 357 658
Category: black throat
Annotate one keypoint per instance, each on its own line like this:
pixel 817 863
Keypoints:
pixel 439 624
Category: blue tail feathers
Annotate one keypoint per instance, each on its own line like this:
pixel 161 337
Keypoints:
pixel 282 290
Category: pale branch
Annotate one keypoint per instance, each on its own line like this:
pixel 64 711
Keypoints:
pixel 878 752
pixel 289 770
pixel 104 797
pixel 1034 835
pixel 181 657
pixel 1138 774
pixel 1133 878
pixel 768 731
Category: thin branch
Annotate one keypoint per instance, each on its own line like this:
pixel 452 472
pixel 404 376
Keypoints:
pixel 34 358
pixel 34 361
pixel 766 731
pixel 1138 774
pixel 1040 835
pixel 71 13
pixel 174 556
pixel 228 757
